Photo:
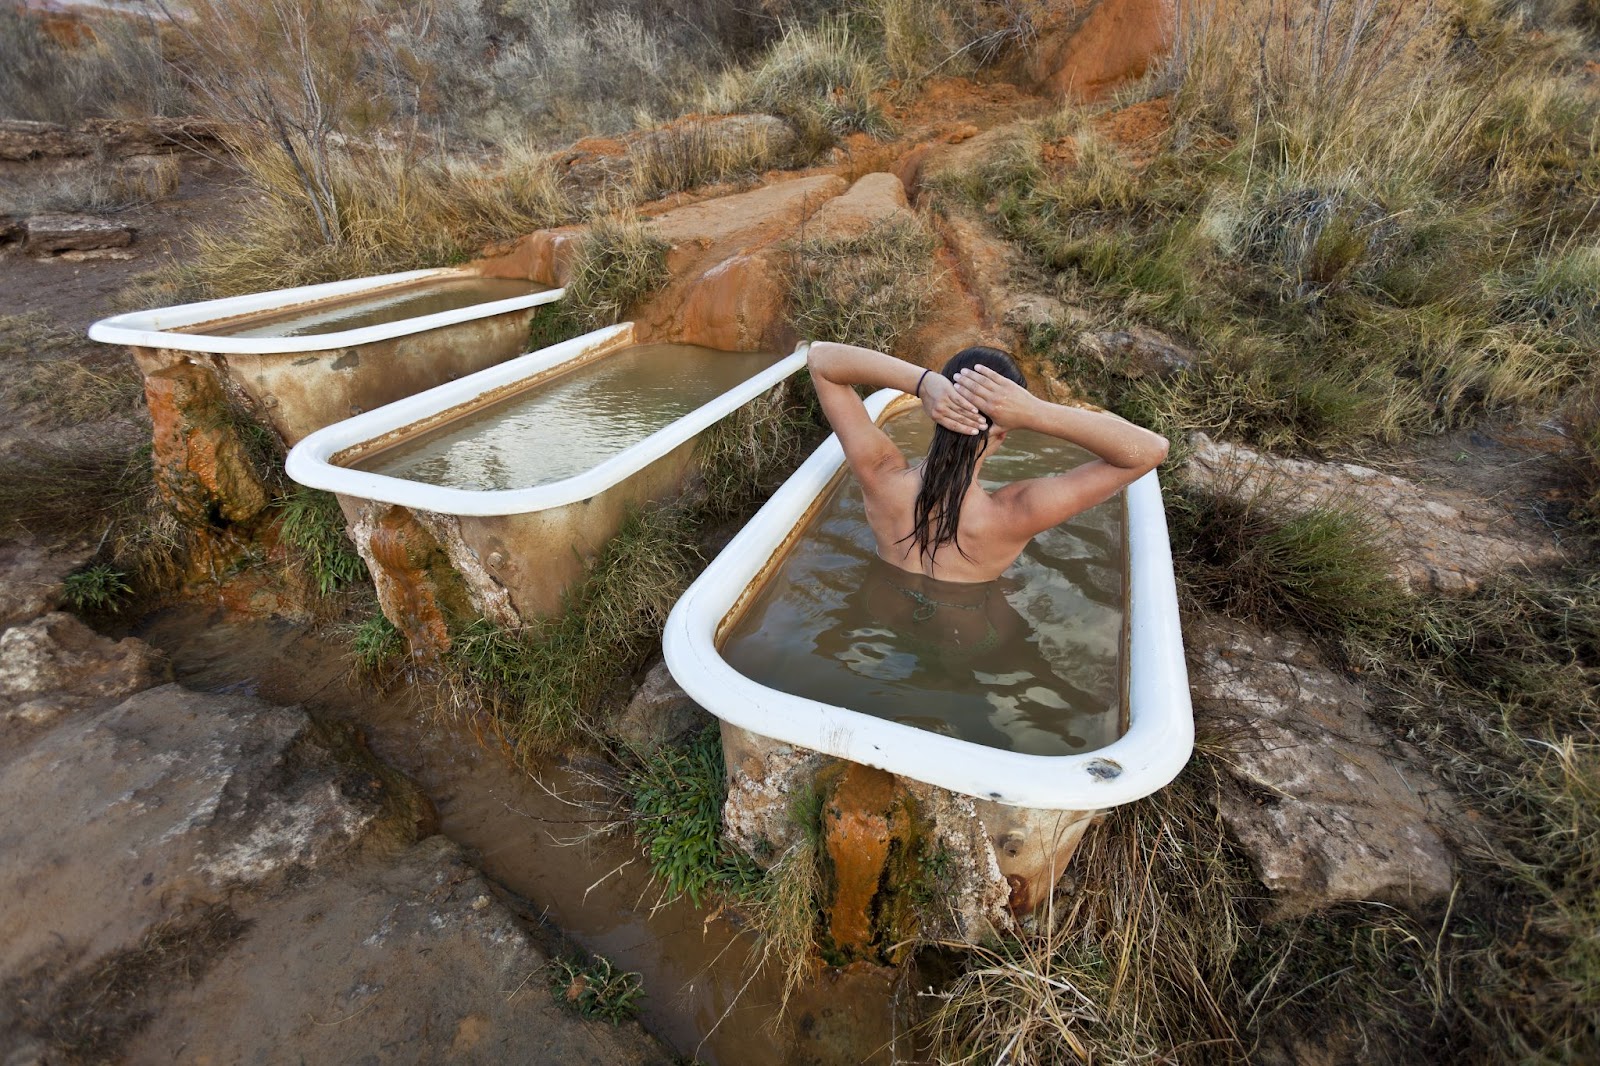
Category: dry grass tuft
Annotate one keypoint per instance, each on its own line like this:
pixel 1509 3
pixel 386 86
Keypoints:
pixel 697 152
pixel 121 72
pixel 823 78
pixel 1134 974
pixel 618 265
pixel 396 210
pixel 870 289
pixel 1260 556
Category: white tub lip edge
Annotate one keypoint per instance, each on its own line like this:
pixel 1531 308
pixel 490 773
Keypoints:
pixel 138 328
pixel 310 461
pixel 1153 751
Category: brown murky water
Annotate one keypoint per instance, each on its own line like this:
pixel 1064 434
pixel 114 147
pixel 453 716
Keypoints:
pixel 1030 662
pixel 527 832
pixel 570 423
pixel 390 305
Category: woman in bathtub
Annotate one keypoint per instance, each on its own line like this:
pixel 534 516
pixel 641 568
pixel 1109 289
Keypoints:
pixel 934 518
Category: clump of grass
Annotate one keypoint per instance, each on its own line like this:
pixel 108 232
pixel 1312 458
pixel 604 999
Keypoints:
pixel 823 78
pixel 58 378
pixel 1583 420
pixel 118 71
pixel 100 189
pixel 376 644
pixel 547 683
pixel 677 796
pixel 397 209
pixel 1365 230
pixel 1138 972
pixel 595 988
pixel 743 457
pixel 869 289
pixel 698 152
pixel 1253 553
pixel 618 264
pixel 100 587
pixel 925 37
pixel 311 526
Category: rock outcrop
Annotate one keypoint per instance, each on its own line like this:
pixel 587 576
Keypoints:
pixel 1442 540
pixel 51 234
pixel 204 465
pixel 54 664
pixel 33 578
pixel 21 140
pixel 1330 809
pixel 659 713
pixel 1108 43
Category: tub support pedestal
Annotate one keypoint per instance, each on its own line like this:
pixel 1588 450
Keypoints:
pixel 900 853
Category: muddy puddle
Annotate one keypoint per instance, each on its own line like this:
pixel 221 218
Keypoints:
pixel 700 1000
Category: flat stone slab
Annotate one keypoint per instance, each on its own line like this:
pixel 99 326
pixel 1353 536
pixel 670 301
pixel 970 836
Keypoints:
pixel 1330 808
pixel 50 234
pixel 412 961
pixel 1441 540
pixel 55 664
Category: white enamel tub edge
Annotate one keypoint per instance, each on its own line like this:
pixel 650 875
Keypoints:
pixel 154 328
pixel 311 461
pixel 1160 736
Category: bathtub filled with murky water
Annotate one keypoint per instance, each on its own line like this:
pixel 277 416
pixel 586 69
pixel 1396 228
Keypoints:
pixel 1060 687
pixel 533 465
pixel 1030 663
pixel 306 357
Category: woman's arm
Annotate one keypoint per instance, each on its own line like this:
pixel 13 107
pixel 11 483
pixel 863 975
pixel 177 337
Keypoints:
pixel 1115 440
pixel 1126 452
pixel 847 364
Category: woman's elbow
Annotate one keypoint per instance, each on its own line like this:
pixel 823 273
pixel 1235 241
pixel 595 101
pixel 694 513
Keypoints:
pixel 1152 452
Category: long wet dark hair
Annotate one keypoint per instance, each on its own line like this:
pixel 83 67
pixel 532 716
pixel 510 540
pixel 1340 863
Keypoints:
pixel 952 457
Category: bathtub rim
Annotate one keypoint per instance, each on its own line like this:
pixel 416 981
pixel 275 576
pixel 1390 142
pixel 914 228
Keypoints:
pixel 153 328
pixel 310 462
pixel 1155 748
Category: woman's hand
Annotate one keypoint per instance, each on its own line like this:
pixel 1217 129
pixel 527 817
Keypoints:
pixel 947 407
pixel 1004 401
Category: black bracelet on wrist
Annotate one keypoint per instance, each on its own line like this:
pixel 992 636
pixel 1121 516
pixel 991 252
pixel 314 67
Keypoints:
pixel 920 380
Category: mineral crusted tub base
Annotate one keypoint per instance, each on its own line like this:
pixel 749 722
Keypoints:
pixel 1034 808
pixel 517 549
pixel 304 382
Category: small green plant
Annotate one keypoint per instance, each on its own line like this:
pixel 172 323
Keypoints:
pixel 595 988
pixel 869 289
pixel 375 645
pixel 312 527
pixel 100 587
pixel 1254 553
pixel 677 814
